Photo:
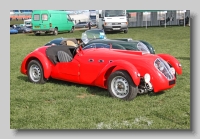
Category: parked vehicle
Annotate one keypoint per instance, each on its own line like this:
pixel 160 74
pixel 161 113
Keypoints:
pixel 113 20
pixel 51 21
pixel 20 29
pixel 24 29
pixel 96 36
pixel 28 29
pixel 13 31
pixel 28 22
pixel 124 73
pixel 81 25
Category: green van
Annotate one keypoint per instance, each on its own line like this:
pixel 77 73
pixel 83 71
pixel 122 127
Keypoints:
pixel 51 21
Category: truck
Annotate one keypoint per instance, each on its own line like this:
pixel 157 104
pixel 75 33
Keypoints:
pixel 113 20
pixel 27 22
pixel 93 18
pixel 51 21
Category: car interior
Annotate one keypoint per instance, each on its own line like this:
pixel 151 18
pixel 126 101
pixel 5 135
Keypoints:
pixel 61 53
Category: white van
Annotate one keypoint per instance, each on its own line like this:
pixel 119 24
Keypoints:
pixel 113 20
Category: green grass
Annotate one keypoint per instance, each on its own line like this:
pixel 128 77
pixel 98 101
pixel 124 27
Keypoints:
pixel 64 105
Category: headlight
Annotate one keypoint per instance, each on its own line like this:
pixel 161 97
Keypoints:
pixel 172 70
pixel 147 78
pixel 108 24
pixel 125 23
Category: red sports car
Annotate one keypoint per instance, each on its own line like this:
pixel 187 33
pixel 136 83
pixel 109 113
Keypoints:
pixel 124 73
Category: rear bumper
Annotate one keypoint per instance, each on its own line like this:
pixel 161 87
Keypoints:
pixel 43 30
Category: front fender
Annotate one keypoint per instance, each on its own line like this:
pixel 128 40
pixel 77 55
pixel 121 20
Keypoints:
pixel 41 58
pixel 101 79
pixel 172 61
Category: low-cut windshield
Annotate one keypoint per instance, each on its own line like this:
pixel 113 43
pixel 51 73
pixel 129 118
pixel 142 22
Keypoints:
pixel 93 34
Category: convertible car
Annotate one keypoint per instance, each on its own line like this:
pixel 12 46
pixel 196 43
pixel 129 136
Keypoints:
pixel 123 73
pixel 96 36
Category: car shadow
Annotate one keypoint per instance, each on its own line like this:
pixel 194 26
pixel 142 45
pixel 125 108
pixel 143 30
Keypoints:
pixel 93 90
pixel 151 94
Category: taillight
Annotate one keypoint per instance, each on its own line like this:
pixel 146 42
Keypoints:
pixel 50 24
pixel 104 23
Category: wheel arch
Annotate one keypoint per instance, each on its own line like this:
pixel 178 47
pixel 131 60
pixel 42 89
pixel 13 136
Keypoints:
pixel 117 65
pixel 46 65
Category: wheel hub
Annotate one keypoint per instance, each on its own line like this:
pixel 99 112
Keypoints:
pixel 120 86
pixel 35 73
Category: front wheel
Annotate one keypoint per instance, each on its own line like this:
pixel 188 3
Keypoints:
pixel 72 30
pixel 126 31
pixel 120 85
pixel 55 32
pixel 35 72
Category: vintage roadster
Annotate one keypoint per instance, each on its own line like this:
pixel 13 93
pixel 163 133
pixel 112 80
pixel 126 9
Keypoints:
pixel 96 36
pixel 124 73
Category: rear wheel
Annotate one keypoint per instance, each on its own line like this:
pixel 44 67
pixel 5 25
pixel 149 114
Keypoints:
pixel 35 72
pixel 36 34
pixel 120 85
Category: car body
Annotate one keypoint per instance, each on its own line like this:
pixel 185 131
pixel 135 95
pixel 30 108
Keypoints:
pixel 13 31
pixel 92 37
pixel 28 29
pixel 24 29
pixel 51 21
pixel 124 73
pixel 83 24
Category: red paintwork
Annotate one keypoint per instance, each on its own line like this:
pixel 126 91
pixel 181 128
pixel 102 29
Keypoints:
pixel 173 61
pixel 81 71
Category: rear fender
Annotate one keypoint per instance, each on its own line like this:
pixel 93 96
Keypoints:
pixel 172 61
pixel 47 66
pixel 101 79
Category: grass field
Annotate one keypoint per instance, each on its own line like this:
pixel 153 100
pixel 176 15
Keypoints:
pixel 64 105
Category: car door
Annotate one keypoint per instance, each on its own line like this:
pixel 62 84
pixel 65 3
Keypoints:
pixel 91 63
pixel 68 71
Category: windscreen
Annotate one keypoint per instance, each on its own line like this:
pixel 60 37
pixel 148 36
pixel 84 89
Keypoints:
pixel 92 34
pixel 113 13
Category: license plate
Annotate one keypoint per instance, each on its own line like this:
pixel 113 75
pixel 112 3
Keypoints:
pixel 116 28
pixel 37 27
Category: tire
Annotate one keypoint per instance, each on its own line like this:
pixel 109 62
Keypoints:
pixel 72 30
pixel 128 90
pixel 55 32
pixel 126 31
pixel 35 72
pixel 36 34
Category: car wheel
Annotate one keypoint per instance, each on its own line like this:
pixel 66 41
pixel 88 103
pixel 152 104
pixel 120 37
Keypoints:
pixel 36 34
pixel 72 30
pixel 35 72
pixel 55 32
pixel 120 85
pixel 126 31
